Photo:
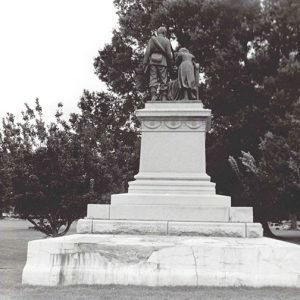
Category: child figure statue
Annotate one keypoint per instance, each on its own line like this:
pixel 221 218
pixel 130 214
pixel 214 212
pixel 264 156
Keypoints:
pixel 185 87
pixel 186 75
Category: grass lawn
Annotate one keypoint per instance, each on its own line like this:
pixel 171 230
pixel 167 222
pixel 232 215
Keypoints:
pixel 14 235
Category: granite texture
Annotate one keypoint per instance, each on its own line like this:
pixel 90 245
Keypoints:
pixel 254 230
pixel 84 226
pixel 130 227
pixel 215 229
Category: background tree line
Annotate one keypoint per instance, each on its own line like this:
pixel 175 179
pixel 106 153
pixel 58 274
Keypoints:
pixel 249 57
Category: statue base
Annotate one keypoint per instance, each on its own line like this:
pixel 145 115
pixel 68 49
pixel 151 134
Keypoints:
pixel 172 187
pixel 168 209
pixel 161 261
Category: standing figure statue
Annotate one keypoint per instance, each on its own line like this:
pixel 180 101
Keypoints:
pixel 187 73
pixel 186 85
pixel 158 57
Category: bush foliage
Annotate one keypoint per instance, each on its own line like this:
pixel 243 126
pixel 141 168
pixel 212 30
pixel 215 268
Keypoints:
pixel 249 57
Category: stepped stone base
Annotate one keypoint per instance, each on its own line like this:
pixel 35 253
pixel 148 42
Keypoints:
pixel 183 216
pixel 170 199
pixel 189 210
pixel 162 261
pixel 214 229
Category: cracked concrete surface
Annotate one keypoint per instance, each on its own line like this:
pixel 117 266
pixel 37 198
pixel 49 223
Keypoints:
pixel 162 261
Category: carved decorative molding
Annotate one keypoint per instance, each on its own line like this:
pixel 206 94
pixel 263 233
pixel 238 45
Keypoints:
pixel 179 125
pixel 173 124
pixel 152 124
pixel 196 124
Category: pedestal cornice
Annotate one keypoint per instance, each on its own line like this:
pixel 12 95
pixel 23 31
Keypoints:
pixel 173 109
pixel 185 116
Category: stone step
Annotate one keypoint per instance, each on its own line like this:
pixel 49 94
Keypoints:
pixel 172 187
pixel 221 229
pixel 172 176
pixel 170 213
pixel 171 199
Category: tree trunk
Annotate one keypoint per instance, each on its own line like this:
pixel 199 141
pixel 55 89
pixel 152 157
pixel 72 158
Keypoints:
pixel 267 230
pixel 293 218
pixel 68 225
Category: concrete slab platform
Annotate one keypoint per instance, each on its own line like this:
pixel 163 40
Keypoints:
pixel 162 261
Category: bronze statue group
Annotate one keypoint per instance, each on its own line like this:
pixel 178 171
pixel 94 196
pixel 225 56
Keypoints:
pixel 158 58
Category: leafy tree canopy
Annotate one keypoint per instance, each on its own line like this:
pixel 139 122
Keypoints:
pixel 249 57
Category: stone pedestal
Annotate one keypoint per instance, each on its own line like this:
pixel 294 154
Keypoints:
pixel 172 184
pixel 172 159
pixel 153 235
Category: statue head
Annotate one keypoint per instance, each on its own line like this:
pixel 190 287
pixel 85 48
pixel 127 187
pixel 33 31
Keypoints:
pixel 162 30
pixel 183 50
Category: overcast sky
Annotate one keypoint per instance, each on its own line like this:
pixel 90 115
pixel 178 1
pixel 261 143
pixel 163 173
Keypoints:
pixel 47 49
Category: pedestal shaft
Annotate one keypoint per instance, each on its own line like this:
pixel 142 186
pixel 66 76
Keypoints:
pixel 172 156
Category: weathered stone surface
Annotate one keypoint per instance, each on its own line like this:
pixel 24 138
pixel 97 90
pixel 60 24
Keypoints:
pixel 215 229
pixel 98 211
pixel 84 226
pixel 207 229
pixel 129 227
pixel 162 261
pixel 254 230
pixel 159 227
pixel 241 214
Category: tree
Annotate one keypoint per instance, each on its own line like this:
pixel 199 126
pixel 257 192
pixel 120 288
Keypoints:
pixel 218 33
pixel 278 151
pixel 5 184
pixel 110 137
pixel 272 184
pixel 46 170
pixel 248 52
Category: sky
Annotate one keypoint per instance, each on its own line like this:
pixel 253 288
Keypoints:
pixel 47 49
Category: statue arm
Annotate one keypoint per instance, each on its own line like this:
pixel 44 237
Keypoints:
pixel 170 58
pixel 178 59
pixel 197 70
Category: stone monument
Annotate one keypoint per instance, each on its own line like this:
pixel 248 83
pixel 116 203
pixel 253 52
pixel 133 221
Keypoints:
pixel 171 228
